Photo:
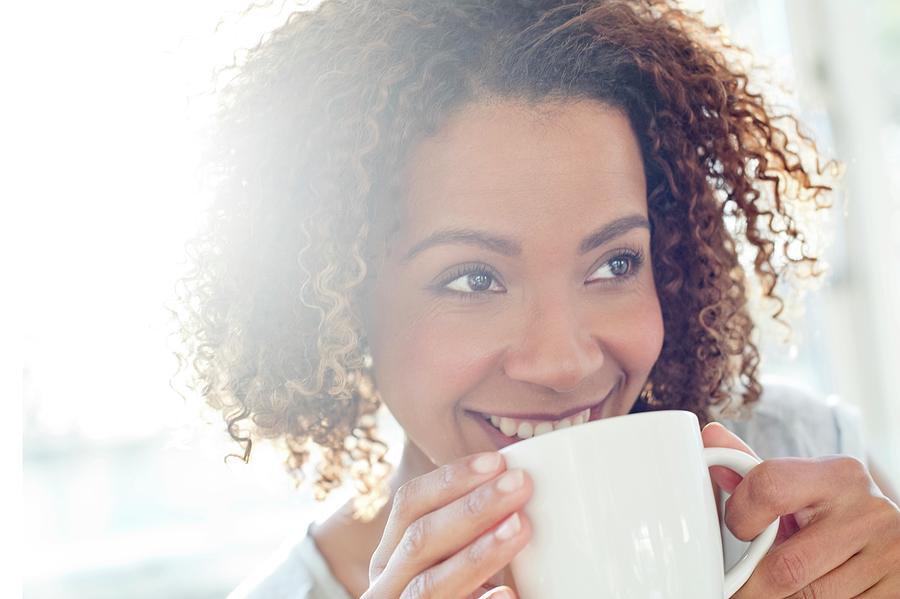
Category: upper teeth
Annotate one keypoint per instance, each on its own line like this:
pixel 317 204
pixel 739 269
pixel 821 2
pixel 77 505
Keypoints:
pixel 525 429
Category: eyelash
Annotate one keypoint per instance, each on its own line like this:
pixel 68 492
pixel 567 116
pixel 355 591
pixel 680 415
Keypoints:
pixel 634 256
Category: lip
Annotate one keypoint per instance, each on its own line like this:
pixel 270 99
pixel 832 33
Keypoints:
pixel 547 416
pixel 499 440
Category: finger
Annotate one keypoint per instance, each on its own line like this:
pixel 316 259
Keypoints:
pixel 809 555
pixel 800 486
pixel 427 493
pixel 499 593
pixel 787 528
pixel 716 435
pixel 468 569
pixel 883 589
pixel 855 576
pixel 445 531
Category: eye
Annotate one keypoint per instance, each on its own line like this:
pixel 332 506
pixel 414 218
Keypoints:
pixel 623 265
pixel 471 279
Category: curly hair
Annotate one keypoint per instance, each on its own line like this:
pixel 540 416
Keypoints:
pixel 304 157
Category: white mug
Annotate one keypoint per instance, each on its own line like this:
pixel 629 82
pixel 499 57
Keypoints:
pixel 623 508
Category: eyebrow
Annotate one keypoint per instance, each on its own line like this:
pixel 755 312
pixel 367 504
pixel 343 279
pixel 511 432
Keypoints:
pixel 510 247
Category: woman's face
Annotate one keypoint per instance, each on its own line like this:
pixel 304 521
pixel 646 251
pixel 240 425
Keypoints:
pixel 520 282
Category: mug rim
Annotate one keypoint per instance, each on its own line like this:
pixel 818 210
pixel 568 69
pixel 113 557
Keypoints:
pixel 596 424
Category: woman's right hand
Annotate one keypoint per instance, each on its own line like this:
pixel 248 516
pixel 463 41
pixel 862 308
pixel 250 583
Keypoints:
pixel 450 530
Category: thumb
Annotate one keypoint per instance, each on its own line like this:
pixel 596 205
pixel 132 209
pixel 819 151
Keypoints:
pixel 716 435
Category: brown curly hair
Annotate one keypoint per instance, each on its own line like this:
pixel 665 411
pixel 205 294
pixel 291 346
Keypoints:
pixel 304 159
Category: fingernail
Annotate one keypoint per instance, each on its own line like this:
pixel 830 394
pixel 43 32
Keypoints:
pixel 509 528
pixel 486 463
pixel 510 481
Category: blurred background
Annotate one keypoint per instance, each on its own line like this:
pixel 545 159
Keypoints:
pixel 125 490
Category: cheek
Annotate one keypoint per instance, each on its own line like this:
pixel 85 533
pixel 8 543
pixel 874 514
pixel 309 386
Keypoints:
pixel 634 335
pixel 436 353
pixel 425 362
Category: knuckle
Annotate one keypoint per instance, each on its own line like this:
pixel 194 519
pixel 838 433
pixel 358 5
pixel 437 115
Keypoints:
pixel 474 553
pixel 787 572
pixel 763 488
pixel 445 476
pixel 809 592
pixel 851 469
pixel 420 587
pixel 414 538
pixel 886 511
pixel 376 567
pixel 378 562
pixel 472 504
pixel 401 497
pixel 405 495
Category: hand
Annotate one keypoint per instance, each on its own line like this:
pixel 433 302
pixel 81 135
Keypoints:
pixel 839 536
pixel 451 529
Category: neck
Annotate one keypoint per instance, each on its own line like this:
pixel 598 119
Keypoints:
pixel 413 463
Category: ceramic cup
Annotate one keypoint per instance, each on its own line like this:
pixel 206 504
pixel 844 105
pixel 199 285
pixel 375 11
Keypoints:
pixel 623 508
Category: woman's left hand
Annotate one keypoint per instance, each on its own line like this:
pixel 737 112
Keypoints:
pixel 839 535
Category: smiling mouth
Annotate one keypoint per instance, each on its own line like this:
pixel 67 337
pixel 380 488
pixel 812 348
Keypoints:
pixel 525 428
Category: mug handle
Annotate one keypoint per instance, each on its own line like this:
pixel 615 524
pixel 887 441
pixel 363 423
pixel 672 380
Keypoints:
pixel 741 463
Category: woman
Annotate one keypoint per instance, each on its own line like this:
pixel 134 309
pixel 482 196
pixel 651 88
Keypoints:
pixel 499 218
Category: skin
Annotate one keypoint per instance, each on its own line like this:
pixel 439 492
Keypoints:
pixel 839 535
pixel 540 339
pixel 549 330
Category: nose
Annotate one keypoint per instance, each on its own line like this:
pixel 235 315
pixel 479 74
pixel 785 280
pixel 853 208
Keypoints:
pixel 558 351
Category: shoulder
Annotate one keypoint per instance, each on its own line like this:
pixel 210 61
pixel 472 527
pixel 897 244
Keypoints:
pixel 296 571
pixel 791 420
pixel 283 576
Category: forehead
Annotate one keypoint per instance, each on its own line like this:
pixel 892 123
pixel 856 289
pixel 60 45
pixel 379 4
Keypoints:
pixel 518 169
